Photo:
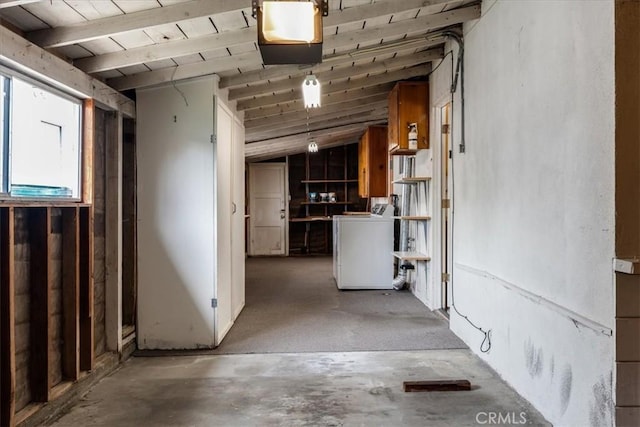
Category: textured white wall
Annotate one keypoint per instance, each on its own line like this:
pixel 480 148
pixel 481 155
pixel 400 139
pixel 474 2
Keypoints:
pixel 534 201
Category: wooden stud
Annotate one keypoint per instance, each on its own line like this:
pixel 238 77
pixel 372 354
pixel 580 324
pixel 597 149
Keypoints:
pixel 88 149
pixel 40 230
pixel 113 232
pixel 7 318
pixel 436 385
pixel 87 355
pixel 70 293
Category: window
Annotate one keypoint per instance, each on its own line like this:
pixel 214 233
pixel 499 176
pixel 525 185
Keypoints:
pixel 4 133
pixel 41 141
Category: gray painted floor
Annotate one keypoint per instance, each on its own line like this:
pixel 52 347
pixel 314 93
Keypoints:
pixel 308 389
pixel 293 305
pixel 301 327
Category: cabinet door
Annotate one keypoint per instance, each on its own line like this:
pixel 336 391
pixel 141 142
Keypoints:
pixel 392 130
pixel 363 166
pixel 412 108
pixel 378 161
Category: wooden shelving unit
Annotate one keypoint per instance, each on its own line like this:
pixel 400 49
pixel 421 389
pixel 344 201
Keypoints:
pixel 332 170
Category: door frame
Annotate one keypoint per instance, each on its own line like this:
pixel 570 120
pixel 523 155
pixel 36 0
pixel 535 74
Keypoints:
pixel 437 294
pixel 287 198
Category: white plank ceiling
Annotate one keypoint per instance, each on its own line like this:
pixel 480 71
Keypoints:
pixel 368 45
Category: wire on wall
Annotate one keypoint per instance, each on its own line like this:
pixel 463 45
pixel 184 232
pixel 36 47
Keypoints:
pixel 485 345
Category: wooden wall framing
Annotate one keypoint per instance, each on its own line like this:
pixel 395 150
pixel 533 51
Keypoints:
pixel 75 345
pixel 77 288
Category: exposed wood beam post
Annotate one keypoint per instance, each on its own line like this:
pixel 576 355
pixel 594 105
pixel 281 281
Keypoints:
pixel 71 293
pixel 40 229
pixel 88 149
pixel 7 318
pixel 113 232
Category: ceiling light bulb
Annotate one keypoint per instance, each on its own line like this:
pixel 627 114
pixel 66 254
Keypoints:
pixel 311 91
pixel 313 147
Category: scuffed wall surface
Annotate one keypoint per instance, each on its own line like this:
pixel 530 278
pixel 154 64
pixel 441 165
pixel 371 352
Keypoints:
pixel 533 202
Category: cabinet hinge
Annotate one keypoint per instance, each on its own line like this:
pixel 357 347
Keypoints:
pixel 446 277
pixel 214 302
pixel 446 129
pixel 446 203
pixel 213 139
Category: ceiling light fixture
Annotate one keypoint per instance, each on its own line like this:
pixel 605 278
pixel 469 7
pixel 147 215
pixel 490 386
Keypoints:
pixel 290 31
pixel 311 91
pixel 313 147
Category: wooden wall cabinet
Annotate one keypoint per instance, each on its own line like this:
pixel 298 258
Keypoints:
pixel 408 103
pixel 373 161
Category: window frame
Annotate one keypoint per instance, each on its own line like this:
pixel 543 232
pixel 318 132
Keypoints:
pixel 8 75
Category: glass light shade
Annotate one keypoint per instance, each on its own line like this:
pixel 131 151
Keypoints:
pixel 311 91
pixel 313 147
pixel 288 21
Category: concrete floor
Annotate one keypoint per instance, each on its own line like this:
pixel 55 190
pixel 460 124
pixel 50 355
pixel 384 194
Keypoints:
pixel 301 389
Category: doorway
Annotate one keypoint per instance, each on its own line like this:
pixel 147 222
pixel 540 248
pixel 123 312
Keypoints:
pixel 445 217
pixel 268 209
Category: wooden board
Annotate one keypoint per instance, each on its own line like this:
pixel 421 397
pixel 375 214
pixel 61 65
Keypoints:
pixel 7 317
pixel 70 293
pixel 436 385
pixel 88 143
pixel 87 355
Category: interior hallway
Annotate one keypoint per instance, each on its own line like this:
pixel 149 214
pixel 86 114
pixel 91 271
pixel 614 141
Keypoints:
pixel 306 371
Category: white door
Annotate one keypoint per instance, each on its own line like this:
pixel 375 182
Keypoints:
pixel 238 220
pixel 224 124
pixel 268 209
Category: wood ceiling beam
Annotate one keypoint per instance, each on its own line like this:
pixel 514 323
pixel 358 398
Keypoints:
pixel 327 101
pixel 187 71
pixel 325 77
pixel 253 59
pixel 299 148
pixel 340 132
pixel 13 3
pixel 228 39
pixel 319 117
pixel 329 61
pixel 296 93
pixel 315 112
pixel 380 115
pixel 112 25
pixel 19 53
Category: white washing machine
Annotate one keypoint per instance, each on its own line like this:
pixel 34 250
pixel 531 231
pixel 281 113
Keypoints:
pixel 362 247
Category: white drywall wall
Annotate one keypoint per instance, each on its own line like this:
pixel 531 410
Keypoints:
pixel 176 216
pixel 534 201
